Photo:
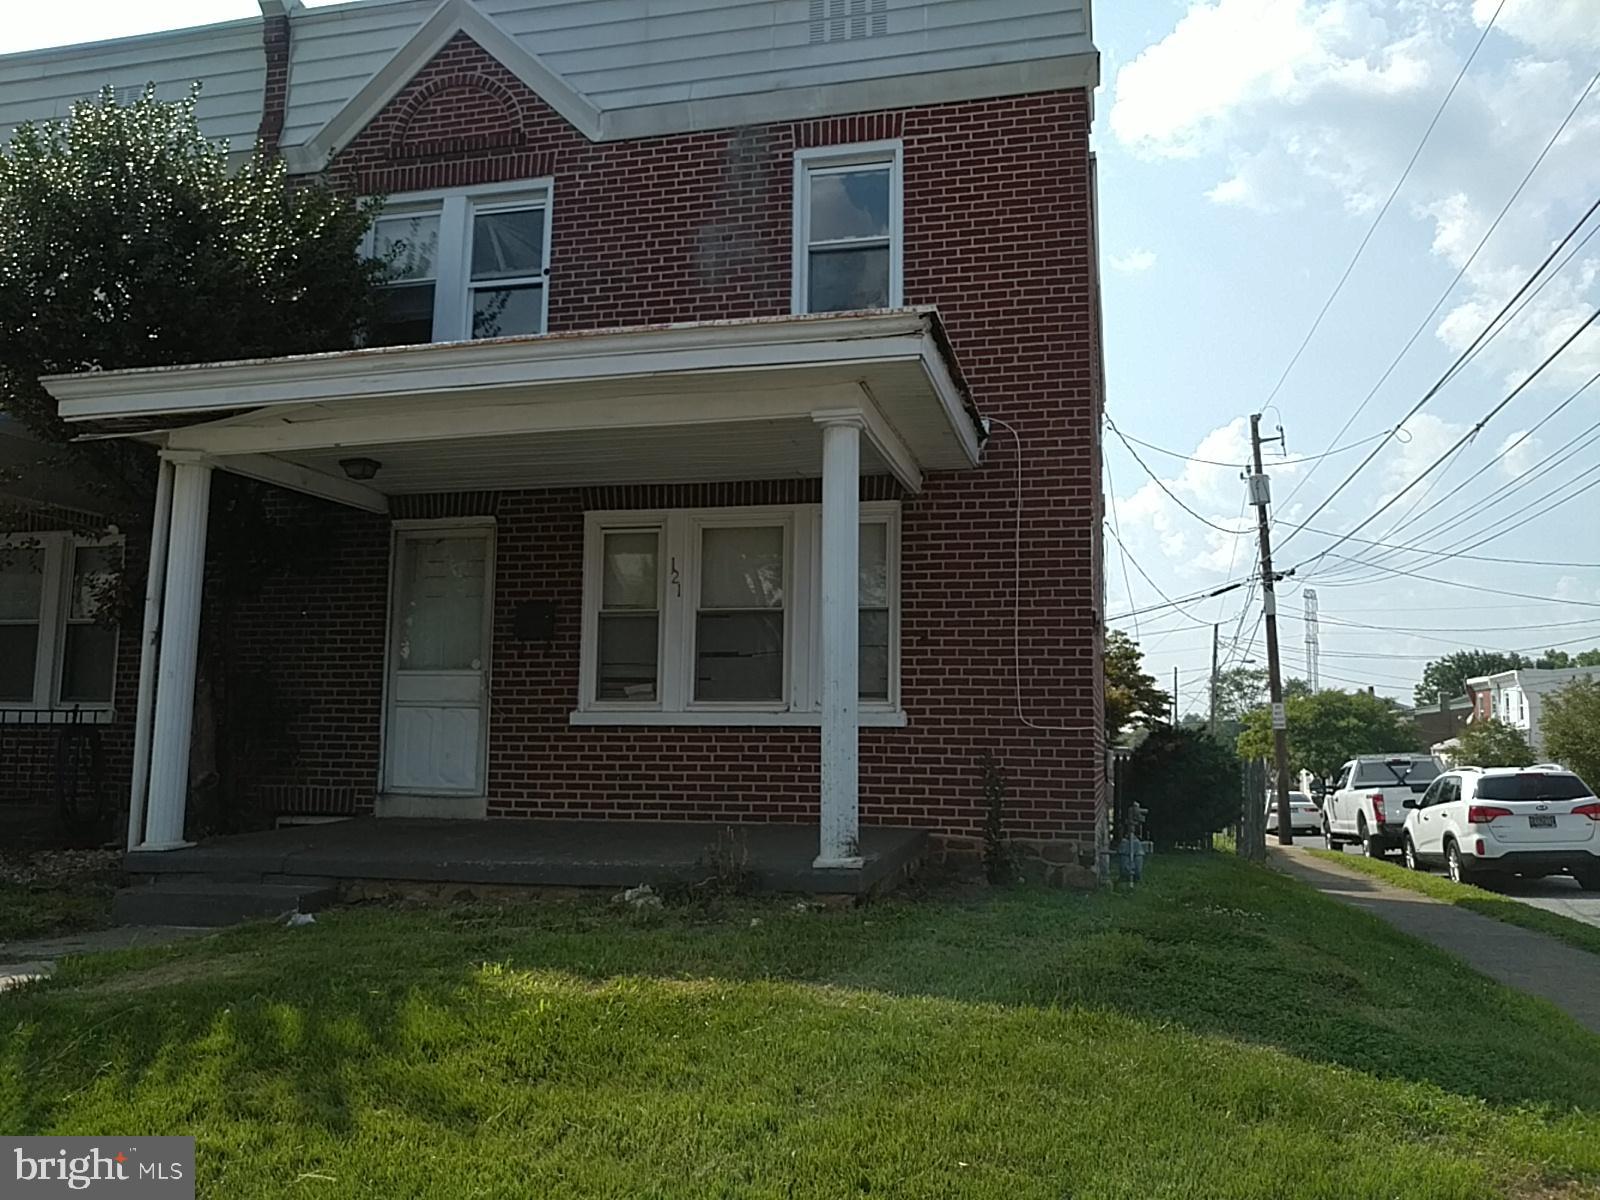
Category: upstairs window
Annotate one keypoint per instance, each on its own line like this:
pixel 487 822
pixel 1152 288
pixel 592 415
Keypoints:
pixel 465 265
pixel 847 228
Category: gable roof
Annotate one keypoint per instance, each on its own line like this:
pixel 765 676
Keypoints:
pixel 452 17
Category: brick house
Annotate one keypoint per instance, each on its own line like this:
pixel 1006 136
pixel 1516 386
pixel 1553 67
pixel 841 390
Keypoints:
pixel 730 447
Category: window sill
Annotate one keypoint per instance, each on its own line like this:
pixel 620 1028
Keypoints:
pixel 25 715
pixel 877 718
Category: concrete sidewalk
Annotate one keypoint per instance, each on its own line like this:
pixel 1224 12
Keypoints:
pixel 1521 958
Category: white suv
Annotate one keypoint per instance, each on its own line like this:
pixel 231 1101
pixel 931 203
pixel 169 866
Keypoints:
pixel 1366 804
pixel 1530 821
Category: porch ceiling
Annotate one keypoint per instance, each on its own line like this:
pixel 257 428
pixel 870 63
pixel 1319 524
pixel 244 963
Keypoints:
pixel 723 400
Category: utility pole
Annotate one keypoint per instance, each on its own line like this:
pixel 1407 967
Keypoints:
pixel 1174 713
pixel 1261 497
pixel 1213 680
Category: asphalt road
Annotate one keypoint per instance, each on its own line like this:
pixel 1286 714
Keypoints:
pixel 1557 893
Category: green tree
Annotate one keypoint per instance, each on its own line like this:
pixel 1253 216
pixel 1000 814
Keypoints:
pixel 1493 743
pixel 1589 658
pixel 127 240
pixel 1553 660
pixel 1571 723
pixel 1187 782
pixel 1327 728
pixel 1293 688
pixel 1447 677
pixel 1132 697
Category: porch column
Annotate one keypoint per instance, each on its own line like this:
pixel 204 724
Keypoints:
pixel 149 647
pixel 180 645
pixel 841 542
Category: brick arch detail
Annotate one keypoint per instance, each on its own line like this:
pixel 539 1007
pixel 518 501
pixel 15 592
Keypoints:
pixel 428 122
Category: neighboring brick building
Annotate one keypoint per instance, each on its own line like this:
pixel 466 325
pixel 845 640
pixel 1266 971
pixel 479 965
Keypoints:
pixel 755 275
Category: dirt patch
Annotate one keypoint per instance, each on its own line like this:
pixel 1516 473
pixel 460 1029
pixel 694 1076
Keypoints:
pixel 201 967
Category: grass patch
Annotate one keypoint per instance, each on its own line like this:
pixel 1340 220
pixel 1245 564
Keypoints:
pixel 1223 1031
pixel 1480 900
pixel 48 893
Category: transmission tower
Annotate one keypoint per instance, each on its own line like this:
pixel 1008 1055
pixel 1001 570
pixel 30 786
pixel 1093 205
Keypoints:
pixel 1312 644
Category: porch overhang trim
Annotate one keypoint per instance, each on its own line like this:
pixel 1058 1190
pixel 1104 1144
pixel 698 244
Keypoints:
pixel 641 360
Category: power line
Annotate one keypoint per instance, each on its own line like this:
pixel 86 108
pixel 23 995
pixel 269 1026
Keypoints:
pixel 1377 220
pixel 1461 274
pixel 1239 466
pixel 1466 437
pixel 1477 587
pixel 1127 580
pixel 1145 575
pixel 1522 479
pixel 1160 483
pixel 1520 562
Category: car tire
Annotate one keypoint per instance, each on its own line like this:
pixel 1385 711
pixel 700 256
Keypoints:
pixel 1371 844
pixel 1327 836
pixel 1413 862
pixel 1458 870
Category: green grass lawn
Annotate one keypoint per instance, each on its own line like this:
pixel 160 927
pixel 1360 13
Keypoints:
pixel 1479 900
pixel 1221 1032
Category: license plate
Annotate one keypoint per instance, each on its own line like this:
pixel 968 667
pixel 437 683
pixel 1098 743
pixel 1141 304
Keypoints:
pixel 1542 822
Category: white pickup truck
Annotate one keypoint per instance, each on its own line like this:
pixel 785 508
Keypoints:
pixel 1367 802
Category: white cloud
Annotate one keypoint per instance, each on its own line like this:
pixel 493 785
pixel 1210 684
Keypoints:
pixel 1551 26
pixel 1133 262
pixel 1518 453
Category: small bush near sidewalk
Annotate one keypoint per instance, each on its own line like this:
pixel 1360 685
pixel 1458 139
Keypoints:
pixel 1480 900
pixel 1220 1032
pixel 46 893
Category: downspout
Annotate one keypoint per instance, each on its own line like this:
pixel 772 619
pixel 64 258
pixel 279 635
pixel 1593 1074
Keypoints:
pixel 155 588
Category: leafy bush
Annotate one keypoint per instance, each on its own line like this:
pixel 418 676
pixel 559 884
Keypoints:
pixel 1493 743
pixel 1572 728
pixel 1187 782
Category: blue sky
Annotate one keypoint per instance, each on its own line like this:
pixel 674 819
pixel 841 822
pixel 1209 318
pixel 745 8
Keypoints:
pixel 1245 147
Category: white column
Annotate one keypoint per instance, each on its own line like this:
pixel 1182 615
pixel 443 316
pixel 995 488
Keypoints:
pixel 149 646
pixel 841 550
pixel 180 647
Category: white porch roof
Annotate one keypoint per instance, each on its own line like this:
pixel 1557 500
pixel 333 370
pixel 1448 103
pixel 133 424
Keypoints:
pixel 653 404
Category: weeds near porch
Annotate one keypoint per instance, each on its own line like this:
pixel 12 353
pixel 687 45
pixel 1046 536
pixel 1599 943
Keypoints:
pixel 997 859
pixel 727 869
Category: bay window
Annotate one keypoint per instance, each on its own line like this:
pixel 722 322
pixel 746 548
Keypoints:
pixel 464 264
pixel 57 651
pixel 713 616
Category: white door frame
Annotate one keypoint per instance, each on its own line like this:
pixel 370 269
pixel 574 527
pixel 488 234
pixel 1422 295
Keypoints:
pixel 412 804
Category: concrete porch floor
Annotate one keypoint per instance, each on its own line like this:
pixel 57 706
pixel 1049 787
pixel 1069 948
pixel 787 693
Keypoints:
pixel 534 853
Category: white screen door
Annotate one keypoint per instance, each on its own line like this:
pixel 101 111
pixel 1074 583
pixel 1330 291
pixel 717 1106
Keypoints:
pixel 438 662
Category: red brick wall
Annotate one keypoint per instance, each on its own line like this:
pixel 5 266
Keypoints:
pixel 998 236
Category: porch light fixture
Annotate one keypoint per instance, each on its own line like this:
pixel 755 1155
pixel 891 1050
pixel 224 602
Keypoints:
pixel 360 469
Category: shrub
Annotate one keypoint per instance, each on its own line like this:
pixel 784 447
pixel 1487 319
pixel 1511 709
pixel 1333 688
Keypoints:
pixel 1572 728
pixel 1493 743
pixel 1187 782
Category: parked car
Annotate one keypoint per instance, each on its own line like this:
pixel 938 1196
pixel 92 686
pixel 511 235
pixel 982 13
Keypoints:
pixel 1304 815
pixel 1484 821
pixel 1366 803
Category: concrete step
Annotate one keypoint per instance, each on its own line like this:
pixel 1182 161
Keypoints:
pixel 199 900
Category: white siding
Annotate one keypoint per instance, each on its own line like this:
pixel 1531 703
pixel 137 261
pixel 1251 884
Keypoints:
pixel 625 54
pixel 227 59
pixel 619 54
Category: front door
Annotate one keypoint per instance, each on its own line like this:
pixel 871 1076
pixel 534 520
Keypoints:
pixel 439 664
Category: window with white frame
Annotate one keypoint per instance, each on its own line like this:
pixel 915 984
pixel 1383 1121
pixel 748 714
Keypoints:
pixel 848 250
pixel 56 648
pixel 463 265
pixel 717 612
